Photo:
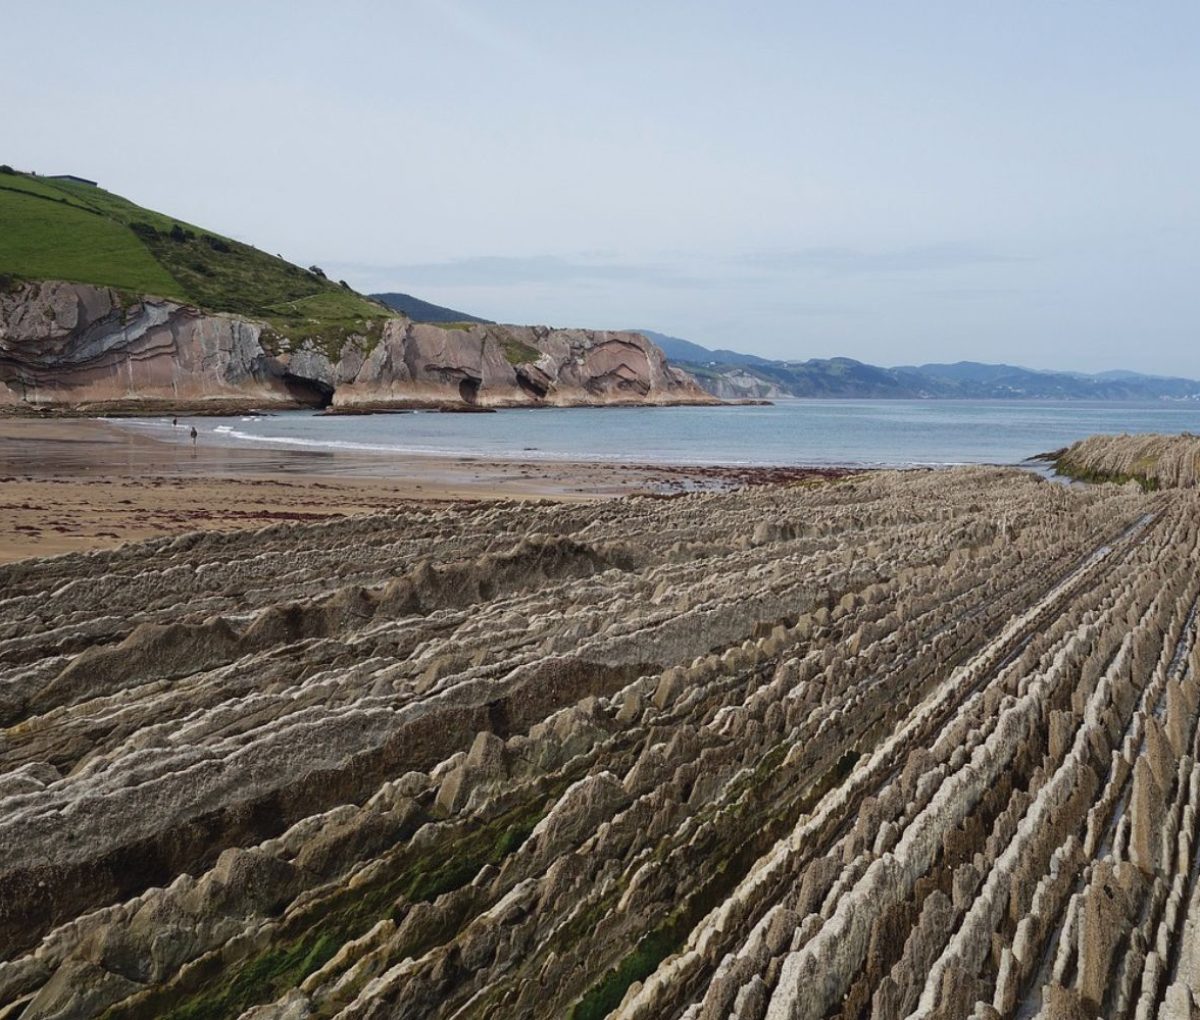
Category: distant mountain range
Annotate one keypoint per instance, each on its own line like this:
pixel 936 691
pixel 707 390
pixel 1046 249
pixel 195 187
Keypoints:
pixel 678 350
pixel 730 375
pixel 733 375
pixel 424 311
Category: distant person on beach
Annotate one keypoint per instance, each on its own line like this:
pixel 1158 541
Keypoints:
pixel 194 434
pixel 174 422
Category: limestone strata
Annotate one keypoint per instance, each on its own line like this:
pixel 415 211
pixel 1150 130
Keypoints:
pixel 904 745
pixel 1159 462
pixel 66 345
pixel 500 366
pixel 734 383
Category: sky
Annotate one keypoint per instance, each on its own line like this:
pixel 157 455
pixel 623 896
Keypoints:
pixel 898 181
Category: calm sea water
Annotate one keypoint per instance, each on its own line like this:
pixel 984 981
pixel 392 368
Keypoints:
pixel 807 432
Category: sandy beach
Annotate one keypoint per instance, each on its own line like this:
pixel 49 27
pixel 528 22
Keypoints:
pixel 72 485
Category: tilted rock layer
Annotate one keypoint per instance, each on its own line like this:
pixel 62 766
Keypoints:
pixel 1156 461
pixel 905 745
pixel 74 344
pixel 70 342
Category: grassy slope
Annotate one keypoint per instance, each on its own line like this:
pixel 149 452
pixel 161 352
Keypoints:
pixel 65 231
pixel 47 239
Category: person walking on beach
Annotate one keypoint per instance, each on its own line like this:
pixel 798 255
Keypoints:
pixel 194 434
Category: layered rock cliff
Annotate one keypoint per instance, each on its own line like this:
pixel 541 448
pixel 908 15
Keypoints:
pixel 737 383
pixel 69 343
pixel 74 345
pixel 497 366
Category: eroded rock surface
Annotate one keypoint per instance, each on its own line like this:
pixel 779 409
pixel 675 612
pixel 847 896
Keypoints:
pixel 905 745
pixel 1155 461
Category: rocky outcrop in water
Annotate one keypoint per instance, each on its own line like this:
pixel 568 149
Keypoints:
pixel 1154 461
pixel 905 745
pixel 70 345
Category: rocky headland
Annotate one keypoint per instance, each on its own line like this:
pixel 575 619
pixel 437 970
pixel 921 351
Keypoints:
pixel 67 346
pixel 898 746
pixel 139 312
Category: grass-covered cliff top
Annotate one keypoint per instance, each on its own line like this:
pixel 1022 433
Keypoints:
pixel 65 230
pixel 1153 461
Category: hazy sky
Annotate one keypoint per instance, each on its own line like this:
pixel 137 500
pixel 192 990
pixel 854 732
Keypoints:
pixel 897 181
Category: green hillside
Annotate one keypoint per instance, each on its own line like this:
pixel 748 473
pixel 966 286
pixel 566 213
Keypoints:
pixel 424 311
pixel 64 230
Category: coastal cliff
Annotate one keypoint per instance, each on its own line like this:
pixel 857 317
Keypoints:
pixel 736 383
pixel 497 366
pixel 83 347
pixel 67 344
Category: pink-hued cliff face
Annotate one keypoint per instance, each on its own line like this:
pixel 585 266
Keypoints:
pixel 71 344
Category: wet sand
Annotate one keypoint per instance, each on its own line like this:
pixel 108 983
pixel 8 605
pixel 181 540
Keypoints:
pixel 72 485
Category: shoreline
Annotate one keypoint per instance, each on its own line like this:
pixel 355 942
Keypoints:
pixel 72 485
pixel 156 429
pixel 218 407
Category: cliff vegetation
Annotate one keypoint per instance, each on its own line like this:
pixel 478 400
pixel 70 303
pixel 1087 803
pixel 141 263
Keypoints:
pixel 66 230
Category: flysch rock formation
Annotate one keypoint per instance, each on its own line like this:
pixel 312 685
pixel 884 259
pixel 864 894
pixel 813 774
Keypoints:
pixel 1155 461
pixel 908 745
pixel 733 383
pixel 64 343
pixel 68 344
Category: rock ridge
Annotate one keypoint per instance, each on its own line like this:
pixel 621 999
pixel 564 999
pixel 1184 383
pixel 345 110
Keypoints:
pixel 1152 461
pixel 907 745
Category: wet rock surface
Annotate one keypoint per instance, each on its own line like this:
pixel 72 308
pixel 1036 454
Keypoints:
pixel 899 745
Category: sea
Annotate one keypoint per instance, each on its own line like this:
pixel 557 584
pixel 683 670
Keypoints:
pixel 856 433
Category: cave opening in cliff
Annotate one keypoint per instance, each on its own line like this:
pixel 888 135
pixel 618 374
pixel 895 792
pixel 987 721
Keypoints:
pixel 308 392
pixel 468 389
